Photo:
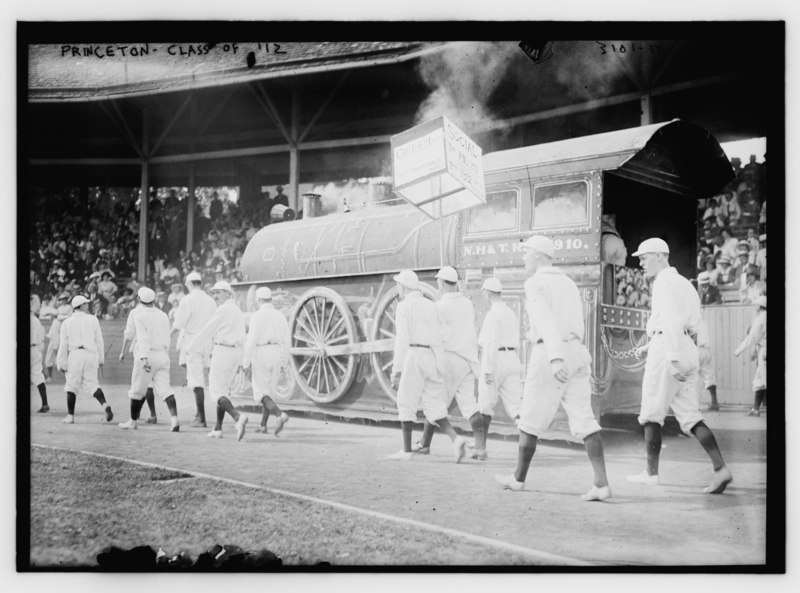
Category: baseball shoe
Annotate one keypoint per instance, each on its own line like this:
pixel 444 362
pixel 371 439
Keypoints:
pixel 420 450
pixel 480 455
pixel 198 424
pixel 176 427
pixel 129 425
pixel 755 413
pixel 713 408
pixel 459 449
pixel 215 434
pixel 240 427
pixel 644 478
pixel 262 429
pixel 719 481
pixel 509 483
pixel 43 410
pixel 284 418
pixel 70 419
pixel 152 420
pixel 109 414
pixel 401 455
pixel 602 493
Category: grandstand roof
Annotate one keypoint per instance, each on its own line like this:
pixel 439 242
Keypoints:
pixel 95 71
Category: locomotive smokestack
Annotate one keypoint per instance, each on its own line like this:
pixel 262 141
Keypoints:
pixel 312 205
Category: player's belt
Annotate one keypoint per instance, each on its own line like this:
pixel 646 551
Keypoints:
pixel 419 346
pixel 269 344
pixel 506 348
pixel 225 345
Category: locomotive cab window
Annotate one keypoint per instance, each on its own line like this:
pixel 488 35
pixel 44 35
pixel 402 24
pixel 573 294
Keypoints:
pixel 498 214
pixel 561 205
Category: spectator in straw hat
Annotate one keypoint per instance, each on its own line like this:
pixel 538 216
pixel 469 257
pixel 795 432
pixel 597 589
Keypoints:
pixel 725 274
pixel 709 294
pixel 757 340
pixel 753 288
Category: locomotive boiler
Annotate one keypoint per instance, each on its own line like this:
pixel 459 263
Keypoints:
pixel 332 275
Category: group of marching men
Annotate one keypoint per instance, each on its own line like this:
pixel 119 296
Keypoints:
pixel 435 361
pixel 212 334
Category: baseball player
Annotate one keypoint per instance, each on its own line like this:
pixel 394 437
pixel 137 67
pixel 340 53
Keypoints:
pixel 194 313
pixel 267 350
pixel 499 377
pixel 37 347
pixel 707 364
pixel 129 337
pixel 418 364
pixel 757 339
pixel 64 310
pixel 457 318
pixel 227 330
pixel 151 360
pixel 80 351
pixel 558 371
pixel 670 372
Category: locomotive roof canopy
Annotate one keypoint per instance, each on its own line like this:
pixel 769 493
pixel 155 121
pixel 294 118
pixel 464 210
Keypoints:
pixel 677 156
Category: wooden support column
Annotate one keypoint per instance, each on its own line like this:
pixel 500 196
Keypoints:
pixel 646 108
pixel 190 212
pixel 294 157
pixel 144 201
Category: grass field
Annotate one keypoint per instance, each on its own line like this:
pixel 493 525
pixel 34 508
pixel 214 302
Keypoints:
pixel 81 504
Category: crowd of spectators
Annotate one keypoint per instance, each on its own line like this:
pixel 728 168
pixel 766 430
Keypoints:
pixel 88 244
pixel 732 240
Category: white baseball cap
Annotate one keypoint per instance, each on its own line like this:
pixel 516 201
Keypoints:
pixel 146 295
pixel 222 285
pixel 541 244
pixel 408 278
pixel 492 285
pixel 193 277
pixel 653 245
pixel 264 293
pixel 448 274
pixel 761 301
pixel 78 301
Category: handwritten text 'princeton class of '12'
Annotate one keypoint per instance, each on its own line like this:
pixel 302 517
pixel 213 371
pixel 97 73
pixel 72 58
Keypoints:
pixel 175 49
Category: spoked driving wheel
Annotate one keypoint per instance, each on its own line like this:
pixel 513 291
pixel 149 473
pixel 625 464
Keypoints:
pixel 383 328
pixel 322 329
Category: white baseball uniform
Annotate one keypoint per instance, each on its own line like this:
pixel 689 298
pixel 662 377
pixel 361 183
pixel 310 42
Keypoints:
pixel 457 317
pixel 80 351
pixel 54 336
pixel 37 347
pixel 499 341
pixel 194 313
pixel 757 336
pixel 227 330
pixel 674 315
pixel 418 356
pixel 556 320
pixel 266 349
pixel 152 342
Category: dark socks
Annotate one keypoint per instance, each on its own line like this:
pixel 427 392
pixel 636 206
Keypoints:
pixel 227 406
pixel 406 427
pixel 712 389
pixel 476 421
pixel 761 395
pixel 220 417
pixel 594 449
pixel 652 445
pixel 427 434
pixel 447 428
pixel 150 397
pixel 709 443
pixel 136 408
pixel 70 403
pixel 172 406
pixel 98 395
pixel 264 412
pixel 527 447
pixel 199 400
pixel 42 393
pixel 487 420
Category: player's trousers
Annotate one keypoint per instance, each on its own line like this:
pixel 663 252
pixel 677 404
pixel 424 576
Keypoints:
pixel 157 376
pixel 421 382
pixel 507 385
